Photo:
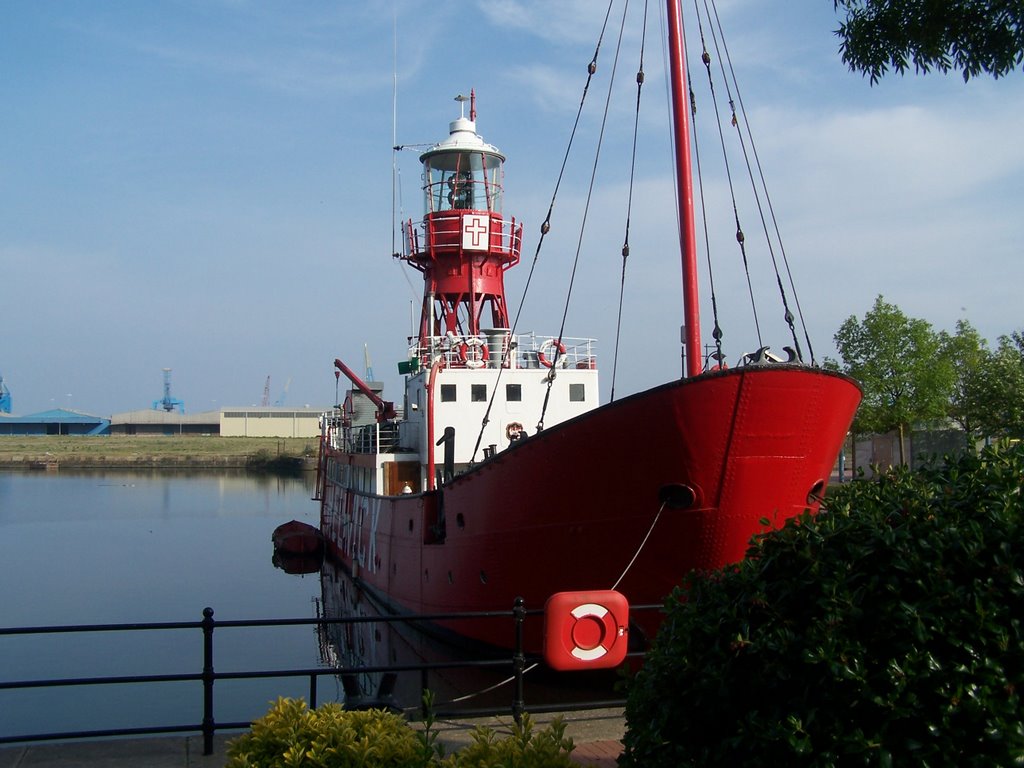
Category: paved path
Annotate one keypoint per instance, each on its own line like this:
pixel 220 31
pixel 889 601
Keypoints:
pixel 596 733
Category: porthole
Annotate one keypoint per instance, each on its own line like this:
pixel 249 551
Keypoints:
pixel 814 495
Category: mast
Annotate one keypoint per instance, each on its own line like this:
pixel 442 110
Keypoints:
pixel 684 184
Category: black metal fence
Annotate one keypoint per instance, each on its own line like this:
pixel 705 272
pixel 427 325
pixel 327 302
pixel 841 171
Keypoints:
pixel 517 664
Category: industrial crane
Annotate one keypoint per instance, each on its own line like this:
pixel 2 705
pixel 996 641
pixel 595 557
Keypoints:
pixel 168 403
pixel 5 397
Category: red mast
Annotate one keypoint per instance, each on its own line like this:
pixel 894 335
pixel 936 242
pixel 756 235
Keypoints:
pixel 463 244
pixel 684 183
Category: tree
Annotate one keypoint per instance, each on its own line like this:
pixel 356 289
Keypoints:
pixel 970 356
pixel 999 391
pixel 972 36
pixel 899 362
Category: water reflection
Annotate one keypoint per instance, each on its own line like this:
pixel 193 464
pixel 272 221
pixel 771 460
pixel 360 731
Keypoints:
pixel 369 643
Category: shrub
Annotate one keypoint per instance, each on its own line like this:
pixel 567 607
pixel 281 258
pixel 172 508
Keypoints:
pixel 291 735
pixel 884 631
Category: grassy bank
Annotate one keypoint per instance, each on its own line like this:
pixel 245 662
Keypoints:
pixel 146 451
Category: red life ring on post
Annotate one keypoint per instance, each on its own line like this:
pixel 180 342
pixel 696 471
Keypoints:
pixel 586 630
pixel 542 358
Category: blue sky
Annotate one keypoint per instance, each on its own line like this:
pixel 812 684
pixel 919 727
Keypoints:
pixel 206 185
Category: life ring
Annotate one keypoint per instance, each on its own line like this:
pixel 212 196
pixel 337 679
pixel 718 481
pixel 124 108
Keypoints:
pixel 542 358
pixel 586 630
pixel 478 359
pixel 514 431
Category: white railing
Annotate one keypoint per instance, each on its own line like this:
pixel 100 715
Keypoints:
pixel 492 349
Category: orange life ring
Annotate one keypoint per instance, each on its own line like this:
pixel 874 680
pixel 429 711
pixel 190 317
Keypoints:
pixel 479 359
pixel 542 358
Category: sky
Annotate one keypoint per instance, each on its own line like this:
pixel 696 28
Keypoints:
pixel 209 186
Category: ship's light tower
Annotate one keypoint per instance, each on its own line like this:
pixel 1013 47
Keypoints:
pixel 463 245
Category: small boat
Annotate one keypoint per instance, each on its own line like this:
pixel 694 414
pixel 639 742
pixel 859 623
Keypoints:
pixel 501 476
pixel 297 538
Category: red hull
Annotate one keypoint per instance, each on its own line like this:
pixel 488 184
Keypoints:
pixel 567 509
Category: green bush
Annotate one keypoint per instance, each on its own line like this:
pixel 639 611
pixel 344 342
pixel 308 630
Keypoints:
pixel 291 735
pixel 885 631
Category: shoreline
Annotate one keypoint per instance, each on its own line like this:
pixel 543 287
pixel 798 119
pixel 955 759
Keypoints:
pixel 260 454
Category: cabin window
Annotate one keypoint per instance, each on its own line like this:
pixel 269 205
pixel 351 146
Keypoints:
pixel 447 393
pixel 514 393
pixel 577 393
pixel 478 393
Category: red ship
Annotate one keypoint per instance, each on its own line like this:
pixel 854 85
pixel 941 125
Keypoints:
pixel 502 476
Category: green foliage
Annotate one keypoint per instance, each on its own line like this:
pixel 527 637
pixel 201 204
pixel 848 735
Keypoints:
pixel 972 36
pixel 549 748
pixel 898 361
pixel 885 631
pixel 291 735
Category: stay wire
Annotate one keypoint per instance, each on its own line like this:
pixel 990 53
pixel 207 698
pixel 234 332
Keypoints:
pixel 552 372
pixel 629 203
pixel 545 226
pixel 740 237
pixel 771 211
pixel 716 334
pixel 640 549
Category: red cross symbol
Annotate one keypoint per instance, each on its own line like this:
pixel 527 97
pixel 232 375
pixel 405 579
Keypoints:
pixel 474 232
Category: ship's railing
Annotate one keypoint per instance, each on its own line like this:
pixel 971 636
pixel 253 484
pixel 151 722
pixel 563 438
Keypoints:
pixel 491 348
pixel 442 233
pixel 363 438
pixel 517 662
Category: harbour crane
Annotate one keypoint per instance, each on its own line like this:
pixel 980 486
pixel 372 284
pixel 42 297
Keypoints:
pixel 5 396
pixel 168 403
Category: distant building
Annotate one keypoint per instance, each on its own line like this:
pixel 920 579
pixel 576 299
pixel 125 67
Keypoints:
pixel 262 421
pixel 159 422
pixel 270 422
pixel 228 422
pixel 59 421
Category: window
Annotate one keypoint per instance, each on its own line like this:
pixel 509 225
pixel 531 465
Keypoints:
pixel 514 393
pixel 447 393
pixel 478 393
pixel 577 393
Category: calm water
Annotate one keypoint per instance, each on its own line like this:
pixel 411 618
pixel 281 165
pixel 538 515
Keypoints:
pixel 111 547
pixel 120 547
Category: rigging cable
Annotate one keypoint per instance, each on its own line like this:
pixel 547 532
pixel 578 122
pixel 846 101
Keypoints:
pixel 397 210
pixel 583 225
pixel 778 235
pixel 740 237
pixel 717 334
pixel 545 226
pixel 629 203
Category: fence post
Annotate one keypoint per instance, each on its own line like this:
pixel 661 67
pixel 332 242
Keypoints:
pixel 519 659
pixel 208 723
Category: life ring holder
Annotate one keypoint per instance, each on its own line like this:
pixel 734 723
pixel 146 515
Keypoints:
pixel 586 630
pixel 549 344
pixel 478 359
